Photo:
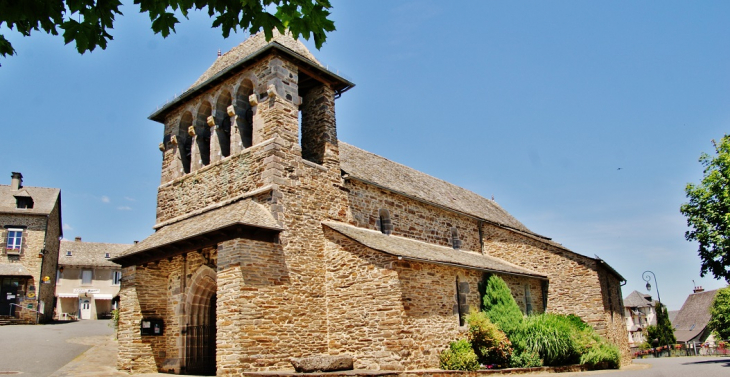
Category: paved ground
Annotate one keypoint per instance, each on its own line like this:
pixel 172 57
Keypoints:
pixel 41 350
pixel 86 349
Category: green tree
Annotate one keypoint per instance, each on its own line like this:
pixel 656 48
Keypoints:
pixel 708 211
pixel 500 306
pixel 87 22
pixel 662 331
pixel 720 311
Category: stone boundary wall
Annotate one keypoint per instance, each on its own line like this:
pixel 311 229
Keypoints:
pixel 426 372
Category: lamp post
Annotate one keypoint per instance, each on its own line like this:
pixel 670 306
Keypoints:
pixel 647 278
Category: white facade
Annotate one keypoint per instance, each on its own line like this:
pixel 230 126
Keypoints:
pixel 87 282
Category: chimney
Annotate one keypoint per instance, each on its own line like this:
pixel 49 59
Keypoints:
pixel 699 289
pixel 136 242
pixel 17 181
pixel 78 239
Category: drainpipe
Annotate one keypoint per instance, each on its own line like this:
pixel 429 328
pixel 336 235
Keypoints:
pixel 40 280
pixel 480 225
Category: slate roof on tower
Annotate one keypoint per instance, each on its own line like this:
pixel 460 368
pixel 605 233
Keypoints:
pixel 246 53
pixel 251 45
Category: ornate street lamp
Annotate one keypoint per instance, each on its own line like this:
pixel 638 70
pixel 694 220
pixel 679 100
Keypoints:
pixel 647 278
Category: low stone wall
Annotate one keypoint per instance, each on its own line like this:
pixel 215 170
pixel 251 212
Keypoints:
pixel 424 373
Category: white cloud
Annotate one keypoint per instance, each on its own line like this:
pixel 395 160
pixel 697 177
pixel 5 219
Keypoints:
pixel 105 199
pixel 67 227
pixel 130 199
pixel 124 208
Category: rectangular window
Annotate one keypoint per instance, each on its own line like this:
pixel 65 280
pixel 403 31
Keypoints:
pixel 59 276
pixel 15 240
pixel 116 277
pixel 86 277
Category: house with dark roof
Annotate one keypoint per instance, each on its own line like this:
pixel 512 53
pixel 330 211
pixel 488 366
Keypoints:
pixel 690 324
pixel 640 312
pixel 275 240
pixel 30 230
pixel 87 281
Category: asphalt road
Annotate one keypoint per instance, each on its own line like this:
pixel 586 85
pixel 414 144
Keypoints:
pixel 38 351
pixel 711 366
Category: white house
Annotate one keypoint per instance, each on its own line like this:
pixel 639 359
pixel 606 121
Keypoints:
pixel 87 282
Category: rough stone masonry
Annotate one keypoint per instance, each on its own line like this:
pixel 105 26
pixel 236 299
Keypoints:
pixel 275 240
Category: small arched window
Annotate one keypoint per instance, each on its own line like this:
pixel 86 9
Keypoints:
pixel 386 226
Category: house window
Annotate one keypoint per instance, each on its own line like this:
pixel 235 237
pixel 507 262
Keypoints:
pixel 15 240
pixel 116 277
pixel 59 276
pixel 23 202
pixel 69 253
pixel 107 255
pixel 86 277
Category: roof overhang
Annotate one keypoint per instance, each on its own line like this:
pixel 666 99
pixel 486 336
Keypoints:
pixel 242 219
pixel 610 269
pixel 338 83
pixel 13 269
pixel 418 251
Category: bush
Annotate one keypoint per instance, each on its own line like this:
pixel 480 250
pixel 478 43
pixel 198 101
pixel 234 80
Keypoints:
pixel 501 307
pixel 489 343
pixel 459 356
pixel 604 356
pixel 549 335
pixel 524 359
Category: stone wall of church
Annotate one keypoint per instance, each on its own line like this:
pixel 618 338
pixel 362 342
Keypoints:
pixel 574 288
pixel 158 291
pixel 410 218
pixel 391 314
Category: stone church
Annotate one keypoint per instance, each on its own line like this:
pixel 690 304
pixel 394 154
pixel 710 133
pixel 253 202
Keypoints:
pixel 275 240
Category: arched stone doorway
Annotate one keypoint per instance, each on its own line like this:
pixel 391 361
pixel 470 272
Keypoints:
pixel 200 332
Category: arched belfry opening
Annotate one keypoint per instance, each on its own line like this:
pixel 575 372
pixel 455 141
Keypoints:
pixel 184 142
pixel 201 149
pixel 200 332
pixel 244 120
pixel 223 125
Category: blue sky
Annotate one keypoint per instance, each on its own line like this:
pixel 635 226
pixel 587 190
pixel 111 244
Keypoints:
pixel 535 103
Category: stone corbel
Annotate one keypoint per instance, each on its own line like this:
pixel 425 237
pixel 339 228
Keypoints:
pixel 173 139
pixel 253 99
pixel 231 111
pixel 162 147
pixel 191 130
pixel 271 91
pixel 211 121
